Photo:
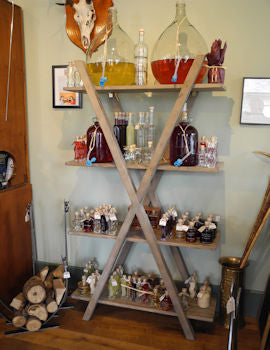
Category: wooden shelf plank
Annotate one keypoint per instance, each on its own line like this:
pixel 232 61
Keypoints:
pixel 193 312
pixel 137 237
pixel 162 166
pixel 151 88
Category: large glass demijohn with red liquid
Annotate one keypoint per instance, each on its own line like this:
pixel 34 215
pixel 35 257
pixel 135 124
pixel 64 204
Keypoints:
pixel 97 146
pixel 176 49
pixel 184 142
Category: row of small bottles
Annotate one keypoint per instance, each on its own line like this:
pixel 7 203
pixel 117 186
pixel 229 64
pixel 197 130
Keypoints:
pixel 188 229
pixel 120 62
pixel 99 220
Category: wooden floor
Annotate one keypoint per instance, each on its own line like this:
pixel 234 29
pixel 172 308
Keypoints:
pixel 114 328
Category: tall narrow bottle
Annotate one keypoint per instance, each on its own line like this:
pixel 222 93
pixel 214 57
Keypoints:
pixel 151 128
pixel 130 131
pixel 117 129
pixel 184 142
pixel 140 132
pixel 123 130
pixel 141 60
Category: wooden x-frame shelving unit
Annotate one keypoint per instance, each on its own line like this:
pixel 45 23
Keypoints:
pixel 143 196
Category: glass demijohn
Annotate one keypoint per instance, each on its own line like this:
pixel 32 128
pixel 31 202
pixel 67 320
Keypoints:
pixel 176 49
pixel 110 57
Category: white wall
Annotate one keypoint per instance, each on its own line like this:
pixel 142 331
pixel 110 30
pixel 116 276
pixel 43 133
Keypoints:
pixel 235 193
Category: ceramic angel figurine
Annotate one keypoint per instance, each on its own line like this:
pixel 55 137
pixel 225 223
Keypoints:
pixel 139 287
pixel 97 275
pixel 192 281
pixel 123 286
pixel 93 283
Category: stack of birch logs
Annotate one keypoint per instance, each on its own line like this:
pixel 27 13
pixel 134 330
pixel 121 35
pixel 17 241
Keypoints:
pixel 41 296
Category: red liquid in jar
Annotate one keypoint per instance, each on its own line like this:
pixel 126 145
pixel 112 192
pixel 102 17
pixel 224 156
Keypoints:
pixel 101 150
pixel 178 145
pixel 163 71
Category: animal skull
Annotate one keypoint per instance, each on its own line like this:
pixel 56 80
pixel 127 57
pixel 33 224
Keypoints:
pixel 85 16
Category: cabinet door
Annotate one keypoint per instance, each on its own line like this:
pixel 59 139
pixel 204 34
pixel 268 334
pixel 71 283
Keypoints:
pixel 13 132
pixel 15 240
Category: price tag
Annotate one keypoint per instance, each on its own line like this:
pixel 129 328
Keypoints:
pixel 162 297
pixel 27 217
pixel 113 217
pixel 230 305
pixel 66 274
pixel 212 226
pixel 162 222
pixel 201 229
pixel 114 283
pixel 181 228
pixel 174 213
pixel 89 280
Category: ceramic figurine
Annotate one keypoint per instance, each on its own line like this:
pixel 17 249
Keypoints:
pixel 93 283
pixel 156 297
pixel 185 298
pixel 150 280
pixel 110 287
pixel 123 286
pixel 204 296
pixel 145 288
pixel 165 302
pixel 92 265
pixel 121 270
pixel 161 287
pixel 97 275
pixel 86 270
pixel 192 281
pixel 129 284
pixel 118 279
pixel 139 287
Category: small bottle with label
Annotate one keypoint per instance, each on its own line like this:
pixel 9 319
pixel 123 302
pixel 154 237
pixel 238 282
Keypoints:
pixel 191 235
pixel 77 222
pixel 117 129
pixel 164 230
pixel 104 224
pixel 181 229
pixel 202 152
pixel 88 224
pixel 206 233
pixel 113 222
pixel 185 219
pixel 97 224
pixel 141 60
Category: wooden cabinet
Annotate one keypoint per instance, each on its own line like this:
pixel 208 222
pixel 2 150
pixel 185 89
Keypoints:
pixel 15 236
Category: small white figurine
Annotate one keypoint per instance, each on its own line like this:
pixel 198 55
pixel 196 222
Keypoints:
pixel 192 281
pixel 185 298
pixel 204 296
pixel 93 283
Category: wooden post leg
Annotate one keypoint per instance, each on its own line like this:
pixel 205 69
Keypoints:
pixel 181 266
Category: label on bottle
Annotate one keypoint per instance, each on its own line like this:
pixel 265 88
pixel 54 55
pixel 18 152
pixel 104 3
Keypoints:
pixel 212 226
pixel 162 222
pixel 113 217
pixel 201 229
pixel 174 213
pixel 114 283
pixel 66 274
pixel 162 297
pixel 89 280
pixel 97 216
pixel 181 228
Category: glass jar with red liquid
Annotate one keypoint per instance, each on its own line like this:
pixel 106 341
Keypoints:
pixel 176 49
pixel 80 149
pixel 97 146
pixel 184 142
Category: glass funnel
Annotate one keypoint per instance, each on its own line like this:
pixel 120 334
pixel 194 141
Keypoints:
pixel 176 49
pixel 110 58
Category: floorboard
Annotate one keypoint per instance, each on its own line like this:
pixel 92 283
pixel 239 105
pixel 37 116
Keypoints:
pixel 121 329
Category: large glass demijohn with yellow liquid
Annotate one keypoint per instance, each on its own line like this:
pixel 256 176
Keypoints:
pixel 110 56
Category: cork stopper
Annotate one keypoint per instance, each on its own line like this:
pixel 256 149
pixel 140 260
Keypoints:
pixel 87 215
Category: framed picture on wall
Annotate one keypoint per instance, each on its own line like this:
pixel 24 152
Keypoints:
pixel 61 97
pixel 255 108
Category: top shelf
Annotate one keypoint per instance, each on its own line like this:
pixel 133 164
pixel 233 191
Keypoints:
pixel 150 88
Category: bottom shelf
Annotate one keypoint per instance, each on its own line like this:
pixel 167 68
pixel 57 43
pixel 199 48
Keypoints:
pixel 194 312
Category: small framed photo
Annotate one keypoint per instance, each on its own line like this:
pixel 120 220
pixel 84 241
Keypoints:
pixel 62 98
pixel 255 108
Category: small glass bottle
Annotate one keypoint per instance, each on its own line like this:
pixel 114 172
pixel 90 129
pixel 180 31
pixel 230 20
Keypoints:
pixel 130 131
pixel 164 229
pixel 211 153
pixel 141 60
pixel 117 129
pixel 88 224
pixel 123 124
pixel 202 162
pixel 140 132
pixel 206 234
pixel 104 224
pixel 181 229
pixel 191 235
pixel 77 222
pixel 97 224
pixel 82 215
pixel 184 142
pixel 113 223
pixel 70 74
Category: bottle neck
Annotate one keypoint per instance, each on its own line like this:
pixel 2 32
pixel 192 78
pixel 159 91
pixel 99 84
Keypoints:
pixel 184 118
pixel 141 36
pixel 130 120
pixel 113 15
pixel 180 12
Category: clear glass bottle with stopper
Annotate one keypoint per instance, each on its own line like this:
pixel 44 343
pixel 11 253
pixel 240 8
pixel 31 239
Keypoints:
pixel 176 49
pixel 130 133
pixel 140 131
pixel 141 60
pixel 110 56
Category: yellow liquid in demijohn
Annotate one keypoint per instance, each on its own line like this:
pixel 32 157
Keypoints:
pixel 116 73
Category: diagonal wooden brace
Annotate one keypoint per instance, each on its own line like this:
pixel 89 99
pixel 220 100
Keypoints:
pixel 136 198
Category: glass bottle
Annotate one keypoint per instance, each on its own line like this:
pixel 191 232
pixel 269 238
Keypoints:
pixel 113 223
pixel 124 125
pixel 184 142
pixel 176 49
pixel 181 229
pixel 117 128
pixel 211 153
pixel 82 215
pixel 140 131
pixel 88 224
pixel 151 135
pixel 206 234
pixel 70 74
pixel 110 56
pixel 77 222
pixel 141 60
pixel 97 224
pixel 96 144
pixel 147 156
pixel 104 224
pixel 130 131
pixel 191 235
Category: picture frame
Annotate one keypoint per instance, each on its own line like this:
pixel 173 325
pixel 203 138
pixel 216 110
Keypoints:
pixel 60 97
pixel 255 106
